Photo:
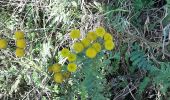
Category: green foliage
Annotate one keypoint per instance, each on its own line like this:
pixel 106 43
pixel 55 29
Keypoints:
pixel 143 84
pixel 162 78
pixel 47 24
pixel 139 6
pixel 140 60
pixel 116 62
pixel 93 81
pixel 119 22
pixel 167 16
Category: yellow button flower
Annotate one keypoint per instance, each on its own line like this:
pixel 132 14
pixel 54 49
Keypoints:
pixel 72 67
pixel 19 35
pixel 71 57
pixel 78 47
pixel 109 45
pixel 91 36
pixel 75 34
pixel 58 78
pixel 56 68
pixel 65 52
pixel 21 43
pixel 91 52
pixel 97 46
pixel 86 42
pixel 66 75
pixel 50 69
pixel 100 31
pixel 3 44
pixel 108 36
pixel 19 52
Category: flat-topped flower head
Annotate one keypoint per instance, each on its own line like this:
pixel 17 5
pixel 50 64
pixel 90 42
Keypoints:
pixel 65 52
pixel 108 36
pixel 3 44
pixel 21 43
pixel 100 31
pixel 19 34
pixel 71 57
pixel 20 52
pixel 78 47
pixel 109 45
pixel 85 42
pixel 56 68
pixel 91 52
pixel 74 34
pixel 97 46
pixel 58 78
pixel 71 67
pixel 92 36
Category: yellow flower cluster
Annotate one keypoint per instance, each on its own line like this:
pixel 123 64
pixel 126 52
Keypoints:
pixel 20 43
pixel 3 43
pixel 90 46
pixel 59 76
pixel 108 42
pixel 71 57
pixel 90 42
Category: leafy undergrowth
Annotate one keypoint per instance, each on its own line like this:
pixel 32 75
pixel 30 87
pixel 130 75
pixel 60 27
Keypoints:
pixel 57 50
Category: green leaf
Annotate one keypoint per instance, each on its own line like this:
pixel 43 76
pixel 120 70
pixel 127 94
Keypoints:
pixel 117 56
pixel 143 84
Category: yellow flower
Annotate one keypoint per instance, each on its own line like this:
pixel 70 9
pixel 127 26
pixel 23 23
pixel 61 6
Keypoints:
pixel 91 52
pixel 50 69
pixel 108 36
pixel 19 52
pixel 86 42
pixel 72 67
pixel 78 47
pixel 19 35
pixel 100 31
pixel 109 45
pixel 71 57
pixel 66 75
pixel 65 52
pixel 21 43
pixel 91 36
pixel 97 47
pixel 56 68
pixel 58 78
pixel 75 34
pixel 3 44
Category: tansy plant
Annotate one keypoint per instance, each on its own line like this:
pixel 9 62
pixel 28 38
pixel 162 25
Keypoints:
pixel 86 63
